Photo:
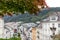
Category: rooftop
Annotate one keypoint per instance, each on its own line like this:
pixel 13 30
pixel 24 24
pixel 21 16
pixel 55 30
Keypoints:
pixel 29 17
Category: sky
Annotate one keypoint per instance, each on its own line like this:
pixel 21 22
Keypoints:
pixel 53 3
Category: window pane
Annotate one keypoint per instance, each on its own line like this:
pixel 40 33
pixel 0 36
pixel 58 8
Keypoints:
pixel 58 25
pixel 53 18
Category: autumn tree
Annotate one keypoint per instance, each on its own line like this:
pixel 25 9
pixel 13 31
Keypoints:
pixel 12 6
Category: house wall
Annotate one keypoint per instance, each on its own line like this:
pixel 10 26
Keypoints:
pixel 46 25
pixel 34 34
pixel 45 33
pixel 1 27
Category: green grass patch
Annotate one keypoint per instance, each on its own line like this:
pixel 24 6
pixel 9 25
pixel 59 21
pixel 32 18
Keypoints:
pixel 11 39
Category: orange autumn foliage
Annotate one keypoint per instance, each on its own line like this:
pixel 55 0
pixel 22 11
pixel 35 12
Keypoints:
pixel 40 2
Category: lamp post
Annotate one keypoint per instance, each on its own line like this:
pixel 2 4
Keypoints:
pixel 53 29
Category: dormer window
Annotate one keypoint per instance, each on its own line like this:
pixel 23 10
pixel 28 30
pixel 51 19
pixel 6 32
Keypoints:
pixel 53 18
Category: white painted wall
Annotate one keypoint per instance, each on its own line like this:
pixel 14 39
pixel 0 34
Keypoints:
pixel 45 31
pixel 1 27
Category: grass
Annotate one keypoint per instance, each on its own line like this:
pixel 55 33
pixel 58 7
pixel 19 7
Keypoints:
pixel 11 39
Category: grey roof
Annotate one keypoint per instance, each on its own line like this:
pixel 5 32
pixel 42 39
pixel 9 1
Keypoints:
pixel 31 18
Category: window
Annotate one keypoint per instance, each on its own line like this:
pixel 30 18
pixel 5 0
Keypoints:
pixel 53 18
pixel 30 30
pixel 38 37
pixel 15 30
pixel 58 25
pixel 38 32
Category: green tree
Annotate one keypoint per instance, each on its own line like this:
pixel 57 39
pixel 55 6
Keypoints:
pixel 11 6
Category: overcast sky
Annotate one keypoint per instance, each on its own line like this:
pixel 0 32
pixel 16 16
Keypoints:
pixel 53 3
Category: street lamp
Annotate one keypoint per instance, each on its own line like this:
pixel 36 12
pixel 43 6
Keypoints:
pixel 53 29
